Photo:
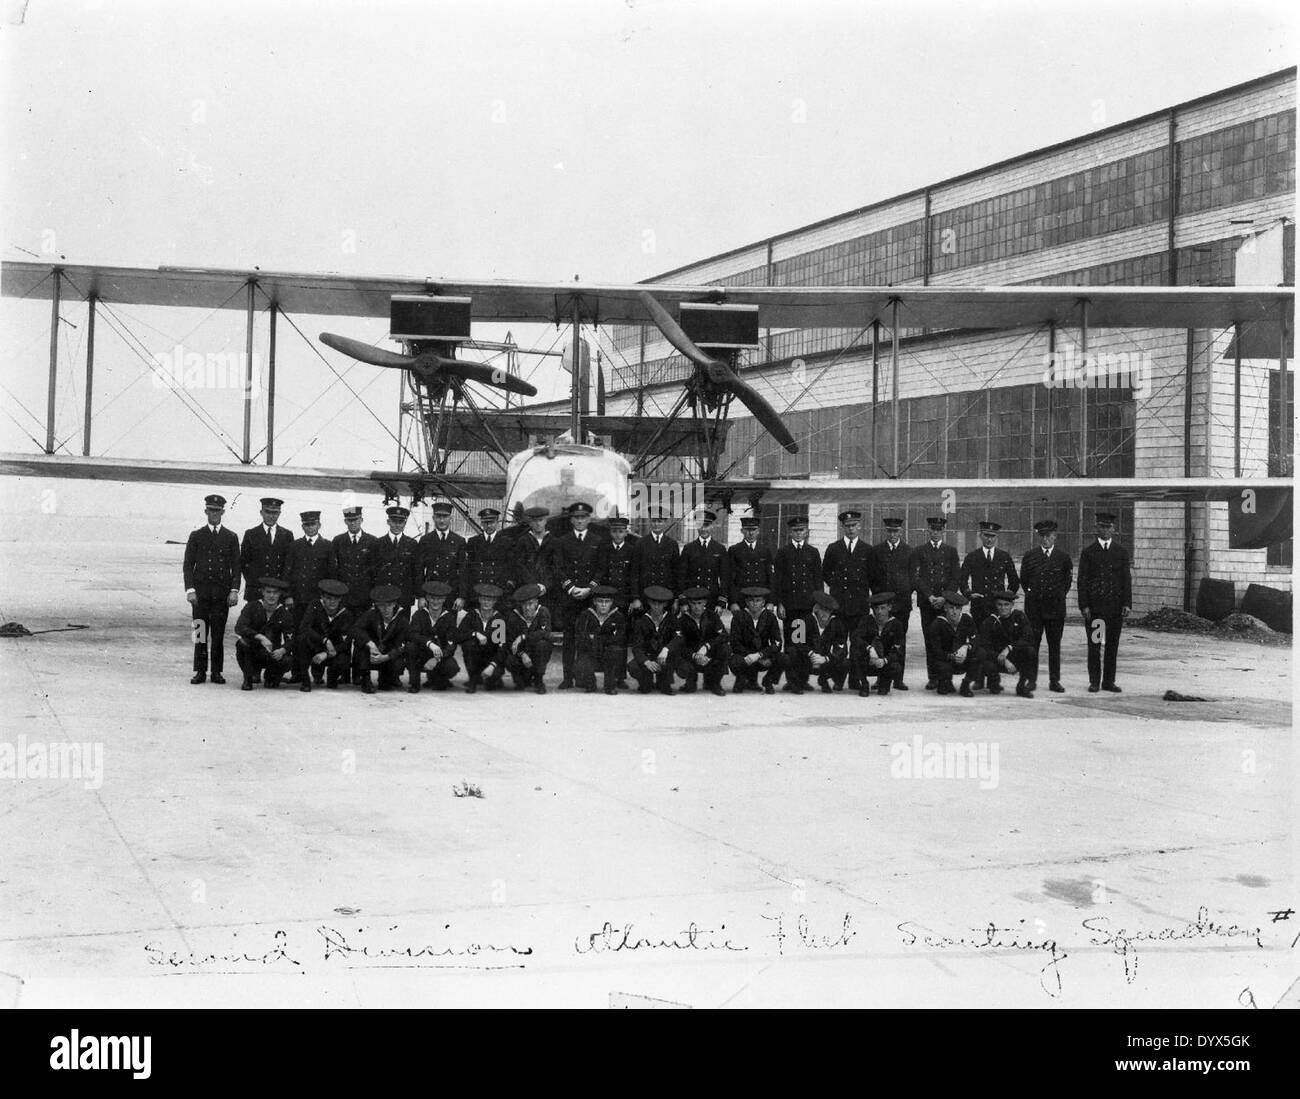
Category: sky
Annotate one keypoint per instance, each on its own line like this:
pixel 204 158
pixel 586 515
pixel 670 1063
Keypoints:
pixel 605 139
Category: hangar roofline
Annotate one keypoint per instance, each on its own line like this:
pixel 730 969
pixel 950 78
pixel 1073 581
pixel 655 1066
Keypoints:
pixel 1255 82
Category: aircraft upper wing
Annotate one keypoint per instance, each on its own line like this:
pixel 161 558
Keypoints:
pixel 780 307
pixel 284 478
pixel 1045 491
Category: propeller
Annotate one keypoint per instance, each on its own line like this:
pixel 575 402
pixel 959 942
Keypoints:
pixel 429 365
pixel 719 373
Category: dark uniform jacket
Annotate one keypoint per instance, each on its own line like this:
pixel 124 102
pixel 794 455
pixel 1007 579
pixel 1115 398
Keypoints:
pixel 212 562
pixel 708 631
pixel 886 640
pixel 575 563
pixel 935 570
pixel 797 576
pixel 529 558
pixel 1014 632
pixel 489 563
pixel 981 577
pixel 276 625
pixel 755 636
pixel 521 634
pixel 355 566
pixel 750 568
pixel 830 640
pixel 849 577
pixel 398 565
pixel 262 556
pixel 440 628
pixel 597 638
pixel 707 567
pixel 1105 579
pixel 648 640
pixel 308 564
pixel 895 574
pixel 388 637
pixel 946 638
pixel 317 627
pixel 443 559
pixel 1046 579
pixel 655 563
pixel 620 568
pixel 475 621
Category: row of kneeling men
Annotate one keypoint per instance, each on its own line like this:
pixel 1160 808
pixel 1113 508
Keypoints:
pixel 656 647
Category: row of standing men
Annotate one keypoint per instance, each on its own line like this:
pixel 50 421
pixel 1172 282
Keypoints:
pixel 566 567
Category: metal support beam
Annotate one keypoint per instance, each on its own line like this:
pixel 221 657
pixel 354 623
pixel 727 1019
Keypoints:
pixel 1285 421
pixel 893 370
pixel 401 416
pixel 1083 389
pixel 875 389
pixel 54 359
pixel 575 414
pixel 270 391
pixel 1236 399
pixel 248 374
pixel 1189 540
pixel 91 302
pixel 1051 414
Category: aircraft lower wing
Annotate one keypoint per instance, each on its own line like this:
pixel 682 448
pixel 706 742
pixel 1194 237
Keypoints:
pixel 780 306
pixel 1037 491
pixel 227 475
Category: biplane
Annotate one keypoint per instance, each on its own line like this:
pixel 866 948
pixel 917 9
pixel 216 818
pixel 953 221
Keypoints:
pixel 431 321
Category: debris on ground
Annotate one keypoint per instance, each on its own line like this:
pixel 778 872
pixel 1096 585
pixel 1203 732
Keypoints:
pixel 1175 696
pixel 467 790
pixel 14 629
pixel 1235 627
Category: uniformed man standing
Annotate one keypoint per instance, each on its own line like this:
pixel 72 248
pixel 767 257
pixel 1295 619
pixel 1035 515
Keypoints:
pixel 489 557
pixel 750 564
pixel 849 566
pixel 987 569
pixel 309 563
pixel 264 645
pixel 620 563
pixel 265 548
pixel 211 571
pixel 1105 598
pixel 354 561
pixel 704 563
pixel 655 558
pixel 575 563
pixel 797 576
pixel 442 556
pixel 397 558
pixel 530 552
pixel 895 559
pixel 935 570
pixel 1046 573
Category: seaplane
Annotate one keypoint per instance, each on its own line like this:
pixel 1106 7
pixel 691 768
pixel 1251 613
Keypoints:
pixel 598 457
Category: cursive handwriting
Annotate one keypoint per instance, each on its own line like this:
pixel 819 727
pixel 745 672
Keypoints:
pixel 610 939
pixel 992 937
pixel 337 945
pixel 1121 940
pixel 805 935
pixel 177 960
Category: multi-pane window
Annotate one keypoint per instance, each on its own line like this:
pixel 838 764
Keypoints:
pixel 1250 160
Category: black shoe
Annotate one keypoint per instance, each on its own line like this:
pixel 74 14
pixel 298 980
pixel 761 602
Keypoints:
pixel 786 688
pixel 996 689
pixel 738 689
pixel 540 689
pixel 367 688
pixel 332 685
pixel 900 686
pixel 768 689
pixel 589 690
pixel 1110 687
pixel 643 690
pixel 611 690
pixel 470 688
pixel 306 687
pixel 883 690
pixel 826 688
pixel 247 685
pixel 864 691
pixel 929 685
pixel 566 684
pixel 218 678
pixel 409 690
pixel 1093 688
pixel 200 677
pixel 717 690
pixel 667 690
pixel 1056 688
pixel 946 689
pixel 964 690
pixel 1022 689
pixel 798 690
pixel 621 684
pixel 689 688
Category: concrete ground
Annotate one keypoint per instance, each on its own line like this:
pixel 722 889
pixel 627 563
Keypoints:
pixel 271 848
